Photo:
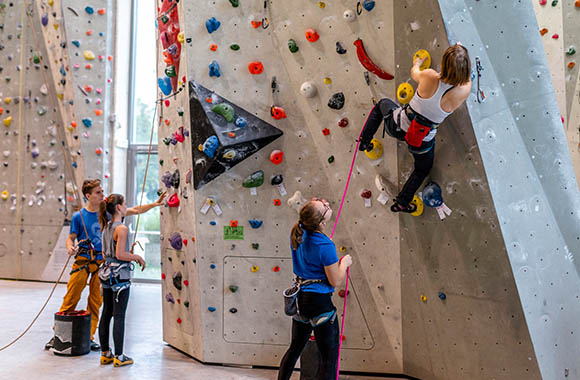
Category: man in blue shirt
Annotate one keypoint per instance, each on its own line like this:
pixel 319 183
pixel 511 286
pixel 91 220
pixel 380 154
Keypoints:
pixel 86 230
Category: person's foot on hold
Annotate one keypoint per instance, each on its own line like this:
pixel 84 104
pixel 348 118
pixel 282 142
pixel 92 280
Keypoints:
pixel 409 208
pixel 95 346
pixel 49 344
pixel 121 360
pixel 365 146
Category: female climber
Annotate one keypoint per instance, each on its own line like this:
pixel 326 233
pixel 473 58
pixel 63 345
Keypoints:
pixel 115 275
pixel 437 96
pixel 317 267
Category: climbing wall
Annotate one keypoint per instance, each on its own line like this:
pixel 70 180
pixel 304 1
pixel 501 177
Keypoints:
pixel 451 298
pixel 41 146
pixel 222 290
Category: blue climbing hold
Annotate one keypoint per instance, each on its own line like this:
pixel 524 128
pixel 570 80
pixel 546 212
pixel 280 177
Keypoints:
pixel 241 122
pixel 75 165
pixel 214 69
pixel 44 19
pixel 210 146
pixel 255 223
pixel 213 223
pixel 101 34
pixel 368 5
pixel 442 296
pixel 212 266
pixel 87 122
pixel 432 195
pixel 62 71
pixel 211 308
pixel 164 85
pixel 89 10
pixel 76 43
pixel 212 25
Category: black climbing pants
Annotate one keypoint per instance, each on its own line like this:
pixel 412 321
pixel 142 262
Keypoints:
pixel 327 335
pixel 423 161
pixel 113 307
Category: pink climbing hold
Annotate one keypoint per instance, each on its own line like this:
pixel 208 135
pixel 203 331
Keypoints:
pixel 555 36
pixel 543 2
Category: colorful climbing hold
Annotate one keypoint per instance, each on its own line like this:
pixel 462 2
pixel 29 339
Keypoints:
pixel 368 63
pixel 405 93
pixel 255 179
pixel 7 121
pixel 343 122
pixel 543 31
pixel 336 101
pixel 255 246
pixel 212 25
pixel 276 157
pixel 571 50
pixel 214 69
pixel 442 296
pixel 235 47
pixel 99 151
pixel 211 309
pixel 173 201
pixel 340 49
pixel 276 269
pixel 89 10
pixel 256 24
pixel 423 298
pixel 555 36
pixel 235 3
pixel 255 268
pixel 341 293
pixel 277 112
pixel 571 65
pixel 241 122
pixel 256 67
pixel 377 150
pixel 293 46
pixel 233 288
pixel 277 202
pixel 225 110
pixel 176 241
pixel 87 122
pixel 255 223
pixel 312 35
pixel 326 131
pixel 368 5
pixel 89 55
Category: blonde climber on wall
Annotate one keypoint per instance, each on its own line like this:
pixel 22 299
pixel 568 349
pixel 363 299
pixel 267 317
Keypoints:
pixel 85 229
pixel 437 96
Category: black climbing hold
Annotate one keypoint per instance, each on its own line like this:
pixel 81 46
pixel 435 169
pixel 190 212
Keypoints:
pixel 277 179
pixel 340 48
pixel 235 3
pixel 255 245
pixel 330 159
pixel 234 288
pixel 336 101
pixel 233 310
pixel 177 280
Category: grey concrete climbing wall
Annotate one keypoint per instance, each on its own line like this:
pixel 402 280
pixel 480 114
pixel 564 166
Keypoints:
pixel 230 309
pixel 524 152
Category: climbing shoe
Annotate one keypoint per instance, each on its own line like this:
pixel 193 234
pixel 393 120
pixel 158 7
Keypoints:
pixel 397 207
pixel 365 146
pixel 95 346
pixel 107 357
pixel 121 360
pixel 50 344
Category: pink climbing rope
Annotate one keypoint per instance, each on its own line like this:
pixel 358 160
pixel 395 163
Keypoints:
pixel 332 234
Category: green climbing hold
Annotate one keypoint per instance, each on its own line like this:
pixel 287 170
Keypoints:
pixel 235 47
pixel 234 288
pixel 554 3
pixel 330 159
pixel 36 57
pixel 293 46
pixel 161 162
pixel 235 3
pixel 194 260
pixel 166 141
pixel 225 110
pixel 170 71
pixel 164 18
pixel 571 50
pixel 186 303
pixel 254 180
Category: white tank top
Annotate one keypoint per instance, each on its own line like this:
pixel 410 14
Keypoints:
pixel 431 107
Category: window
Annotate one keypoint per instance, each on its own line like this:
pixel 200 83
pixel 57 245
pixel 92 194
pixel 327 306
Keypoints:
pixel 144 92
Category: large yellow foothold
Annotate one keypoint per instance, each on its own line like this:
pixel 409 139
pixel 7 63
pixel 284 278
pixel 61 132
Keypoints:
pixel 89 55
pixel 5 195
pixel 7 100
pixel 422 53
pixel 419 202
pixel 377 151
pixel 404 93
pixel 8 121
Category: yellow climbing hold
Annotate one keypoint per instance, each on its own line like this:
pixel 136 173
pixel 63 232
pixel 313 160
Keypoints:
pixel 423 298
pixel 89 55
pixel 60 96
pixel 8 100
pixel 51 2
pixel 55 26
pixel 417 201
pixel 200 147
pixel 327 80
pixel 5 195
pixel 181 38
pixel 377 151
pixel 8 121
pixel 321 4
pixel 255 268
pixel 404 93
pixel 422 53
pixel 342 248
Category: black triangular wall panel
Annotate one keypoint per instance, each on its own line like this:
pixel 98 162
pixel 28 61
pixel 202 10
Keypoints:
pixel 205 123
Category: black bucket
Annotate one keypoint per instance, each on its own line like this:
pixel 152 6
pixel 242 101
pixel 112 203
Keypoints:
pixel 72 333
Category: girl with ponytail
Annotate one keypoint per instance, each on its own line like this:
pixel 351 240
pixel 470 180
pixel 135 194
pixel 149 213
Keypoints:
pixel 318 270
pixel 115 275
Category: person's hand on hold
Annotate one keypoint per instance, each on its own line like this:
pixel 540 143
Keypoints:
pixel 418 61
pixel 346 260
pixel 159 201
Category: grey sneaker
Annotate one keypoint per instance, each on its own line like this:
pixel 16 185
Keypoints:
pixel 95 346
pixel 50 344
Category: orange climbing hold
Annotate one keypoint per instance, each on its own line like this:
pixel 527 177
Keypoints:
pixel 256 67
pixel 89 32
pixel 208 99
pixel 543 31
pixel 577 4
pixel 1 111
pixel 98 151
pixel 213 47
pixel 167 121
pixel 88 66
pixel 571 65
pixel 277 113
pixel 232 134
pixel 101 11
pixel 98 112
pixel 256 24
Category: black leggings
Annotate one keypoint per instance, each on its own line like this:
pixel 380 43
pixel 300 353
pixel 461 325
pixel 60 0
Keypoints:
pixel 423 161
pixel 327 336
pixel 113 307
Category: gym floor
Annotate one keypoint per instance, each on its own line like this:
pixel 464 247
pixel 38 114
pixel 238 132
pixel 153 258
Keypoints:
pixel 154 359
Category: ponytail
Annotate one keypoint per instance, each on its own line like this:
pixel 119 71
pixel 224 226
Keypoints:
pixel 310 219
pixel 296 235
pixel 108 208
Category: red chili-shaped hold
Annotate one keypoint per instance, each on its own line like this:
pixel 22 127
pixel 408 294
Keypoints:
pixel 277 113
pixel 276 157
pixel 256 67
pixel 368 63
pixel 312 35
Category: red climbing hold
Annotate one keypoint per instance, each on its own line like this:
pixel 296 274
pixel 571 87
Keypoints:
pixel 312 35
pixel 185 242
pixel 278 112
pixel 276 269
pixel 276 157
pixel 368 63
pixel 178 320
pixel 555 36
pixel 366 194
pixel 163 276
pixel 256 67
pixel 233 223
pixel 213 47
pixel 543 2
pixel 173 201
pixel 256 24
pixel 277 202
pixel 326 131
pixel 343 122
pixel 185 282
pixel 341 293
pixel 167 102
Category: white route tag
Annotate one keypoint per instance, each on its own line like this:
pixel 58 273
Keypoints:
pixel 383 198
pixel 282 189
pixel 253 191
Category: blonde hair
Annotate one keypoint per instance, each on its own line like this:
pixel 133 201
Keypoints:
pixel 455 65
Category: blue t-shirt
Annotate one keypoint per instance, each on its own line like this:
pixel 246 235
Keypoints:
pixel 316 252
pixel 91 220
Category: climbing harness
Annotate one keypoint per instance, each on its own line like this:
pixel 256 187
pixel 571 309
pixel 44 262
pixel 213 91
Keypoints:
pixel 419 128
pixel 291 295
pixel 480 94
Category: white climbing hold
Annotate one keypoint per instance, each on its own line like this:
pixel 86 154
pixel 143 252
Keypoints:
pixel 308 89
pixel 44 89
pixel 349 15
pixel 297 201
pixel 6 153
